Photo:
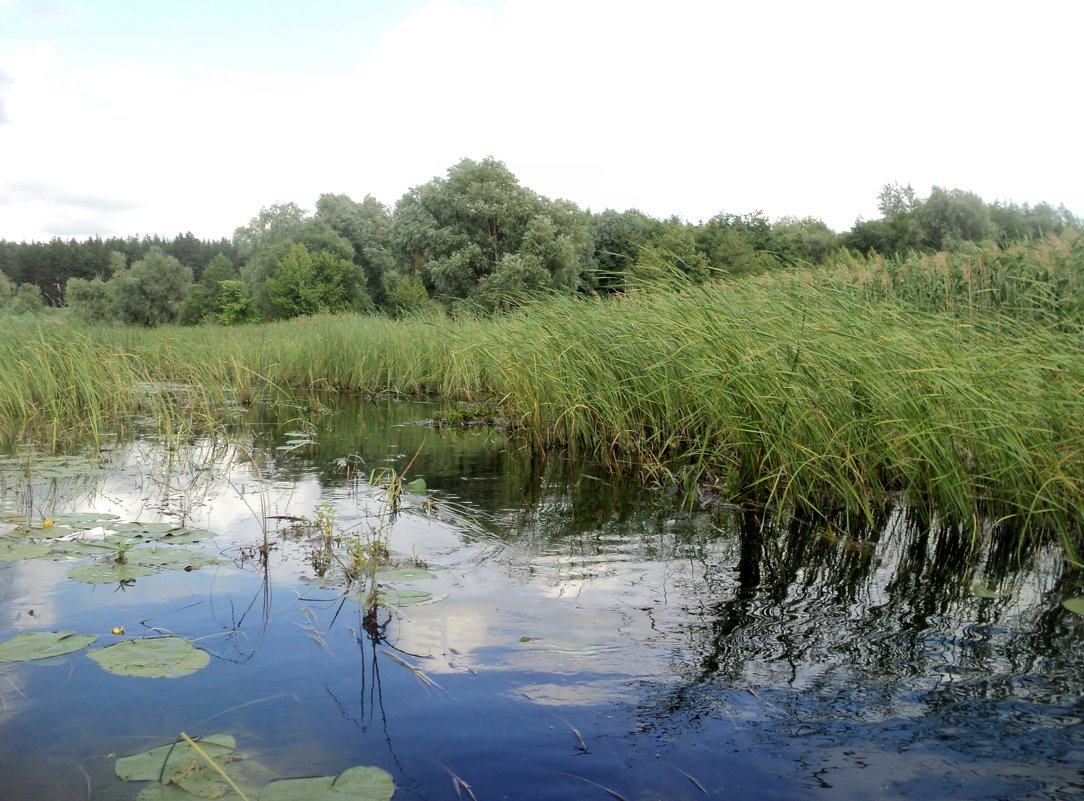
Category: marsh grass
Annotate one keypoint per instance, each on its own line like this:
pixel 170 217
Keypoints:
pixel 952 383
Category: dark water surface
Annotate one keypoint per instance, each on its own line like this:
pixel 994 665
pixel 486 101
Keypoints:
pixel 596 641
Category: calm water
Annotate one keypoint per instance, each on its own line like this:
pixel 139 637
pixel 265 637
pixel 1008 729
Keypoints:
pixel 595 638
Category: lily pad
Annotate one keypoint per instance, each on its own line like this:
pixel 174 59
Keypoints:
pixel 416 486
pixel 186 536
pixel 144 531
pixel 108 573
pixel 32 645
pixel 173 558
pixel 166 792
pixel 81 520
pixel 1074 605
pixel 160 658
pixel 402 574
pixel 394 597
pixel 77 549
pixel 40 532
pixel 362 783
pixel 14 550
pixel 159 761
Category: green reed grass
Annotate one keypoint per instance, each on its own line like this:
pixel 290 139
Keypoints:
pixel 955 384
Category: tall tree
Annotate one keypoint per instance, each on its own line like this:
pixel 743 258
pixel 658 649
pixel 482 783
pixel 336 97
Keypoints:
pixel 151 291
pixel 269 238
pixel 456 232
pixel 367 227
pixel 304 283
pixel 204 300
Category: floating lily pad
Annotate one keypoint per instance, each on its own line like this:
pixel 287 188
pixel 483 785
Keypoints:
pixel 40 532
pixel 359 784
pixel 83 519
pixel 395 597
pixel 402 574
pixel 1074 605
pixel 186 536
pixel 164 657
pixel 416 486
pixel 76 549
pixel 156 762
pixel 164 761
pixel 108 573
pixel 174 558
pixel 168 792
pixel 33 645
pixel 14 549
pixel 148 531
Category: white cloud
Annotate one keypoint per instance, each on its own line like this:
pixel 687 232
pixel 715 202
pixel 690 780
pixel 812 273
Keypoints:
pixel 687 108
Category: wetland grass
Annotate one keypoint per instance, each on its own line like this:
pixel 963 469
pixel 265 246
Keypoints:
pixel 952 383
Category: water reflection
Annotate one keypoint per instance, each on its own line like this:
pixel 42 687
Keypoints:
pixel 589 625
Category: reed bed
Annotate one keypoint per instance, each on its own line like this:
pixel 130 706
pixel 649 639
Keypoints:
pixel 803 396
pixel 1041 281
pixel 830 395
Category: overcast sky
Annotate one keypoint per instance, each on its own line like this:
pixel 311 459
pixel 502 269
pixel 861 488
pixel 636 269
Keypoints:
pixel 132 117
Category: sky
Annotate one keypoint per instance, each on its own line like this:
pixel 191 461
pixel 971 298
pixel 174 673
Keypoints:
pixel 131 118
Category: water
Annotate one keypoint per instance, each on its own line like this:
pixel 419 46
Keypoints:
pixel 597 640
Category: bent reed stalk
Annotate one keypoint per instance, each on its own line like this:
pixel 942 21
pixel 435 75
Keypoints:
pixel 826 394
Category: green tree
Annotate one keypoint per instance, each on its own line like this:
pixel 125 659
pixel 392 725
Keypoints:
pixel 517 279
pixel 274 224
pixel 151 291
pixel 617 238
pixel 737 244
pixel 267 240
pixel 367 227
pixel 234 304
pixel 455 231
pixel 949 217
pixel 305 284
pixel 204 300
pixel 90 300
pixel 806 240
pixel 406 295
pixel 27 300
pixel 670 255
pixel 894 199
pixel 7 291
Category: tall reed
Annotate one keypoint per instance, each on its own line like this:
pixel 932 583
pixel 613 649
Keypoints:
pixel 955 383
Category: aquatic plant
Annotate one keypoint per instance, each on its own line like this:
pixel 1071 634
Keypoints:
pixel 952 383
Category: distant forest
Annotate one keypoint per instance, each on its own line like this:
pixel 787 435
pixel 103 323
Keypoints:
pixel 473 240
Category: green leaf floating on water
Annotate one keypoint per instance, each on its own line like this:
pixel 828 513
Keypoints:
pixel 14 550
pixel 358 784
pixel 161 761
pixel 416 486
pixel 394 597
pixel 1074 605
pixel 160 658
pixel 402 574
pixel 83 520
pixel 173 558
pixel 178 771
pixel 109 573
pixel 33 645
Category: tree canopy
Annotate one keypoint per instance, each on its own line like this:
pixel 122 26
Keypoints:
pixel 473 239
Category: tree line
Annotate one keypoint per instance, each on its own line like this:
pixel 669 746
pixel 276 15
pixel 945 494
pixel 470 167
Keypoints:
pixel 474 239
